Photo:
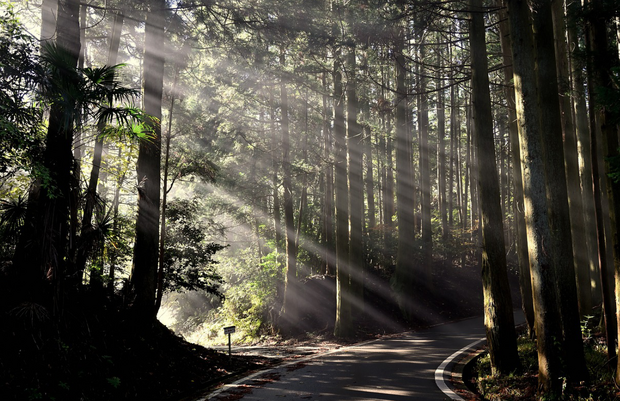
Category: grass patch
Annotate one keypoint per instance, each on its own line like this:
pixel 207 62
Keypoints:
pixel 522 385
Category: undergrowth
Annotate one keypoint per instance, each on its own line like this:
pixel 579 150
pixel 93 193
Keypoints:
pixel 522 385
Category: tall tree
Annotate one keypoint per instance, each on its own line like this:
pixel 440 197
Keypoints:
pixel 583 148
pixel 403 279
pixel 275 166
pixel 547 322
pixel 290 284
pixel 425 152
pixel 40 256
pixel 49 10
pixel 602 121
pixel 328 203
pixel 343 326
pixel 87 229
pixel 560 242
pixel 441 153
pixel 145 258
pixel 356 185
pixel 368 148
pixel 499 321
pixel 525 282
pixel 575 199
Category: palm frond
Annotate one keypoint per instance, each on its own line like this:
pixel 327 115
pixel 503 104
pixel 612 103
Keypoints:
pixel 13 213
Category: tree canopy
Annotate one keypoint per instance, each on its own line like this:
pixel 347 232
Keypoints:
pixel 292 164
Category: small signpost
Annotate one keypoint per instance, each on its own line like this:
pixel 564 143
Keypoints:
pixel 229 330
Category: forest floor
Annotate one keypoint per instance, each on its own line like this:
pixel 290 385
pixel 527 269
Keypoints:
pixel 103 356
pixel 522 385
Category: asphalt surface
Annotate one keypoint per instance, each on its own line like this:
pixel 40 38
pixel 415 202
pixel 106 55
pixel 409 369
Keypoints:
pixel 399 368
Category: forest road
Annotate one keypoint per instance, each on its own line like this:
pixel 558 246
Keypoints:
pixel 398 368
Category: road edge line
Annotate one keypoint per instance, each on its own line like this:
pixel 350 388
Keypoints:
pixel 440 372
pixel 284 365
pixel 236 383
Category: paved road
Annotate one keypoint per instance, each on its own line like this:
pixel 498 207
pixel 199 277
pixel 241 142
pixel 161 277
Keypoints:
pixel 400 368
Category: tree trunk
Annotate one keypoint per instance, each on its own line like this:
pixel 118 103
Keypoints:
pixel 403 279
pixel 77 156
pixel 164 202
pixel 575 199
pixel 441 156
pixel 388 196
pixel 388 170
pixel 453 164
pixel 425 173
pixel 584 153
pixel 558 211
pixel 289 307
pixel 547 322
pixel 473 176
pixel 49 10
pixel 304 270
pixel 115 228
pixel 467 178
pixel 328 204
pixel 275 164
pixel 525 282
pixel 601 119
pixel 498 317
pixel 343 326
pixel 40 256
pixel 356 188
pixel 367 138
pixel 87 229
pixel 144 270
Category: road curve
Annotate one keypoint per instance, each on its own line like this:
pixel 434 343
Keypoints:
pixel 398 368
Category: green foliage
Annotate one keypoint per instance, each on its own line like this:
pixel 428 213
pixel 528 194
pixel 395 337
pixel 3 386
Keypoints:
pixel 114 381
pixel 523 385
pixel 188 257
pixel 21 131
pixel 251 297
pixel 12 216
pixel 250 290
pixel 90 92
pixel 586 328
pixel 29 83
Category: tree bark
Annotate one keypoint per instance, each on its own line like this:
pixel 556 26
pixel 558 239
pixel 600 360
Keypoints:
pixel 275 164
pixel 164 202
pixel 557 197
pixel 343 326
pixel 388 186
pixel 441 156
pixel 115 228
pixel 498 317
pixel 144 269
pixel 547 322
pixel 49 10
pixel 40 255
pixel 575 199
pixel 525 282
pixel 584 152
pixel 601 119
pixel 425 172
pixel 289 307
pixel 367 138
pixel 91 192
pixel 356 187
pixel 403 279
pixel 328 204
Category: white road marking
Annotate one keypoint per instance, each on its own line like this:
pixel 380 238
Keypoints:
pixel 239 382
pixel 440 372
